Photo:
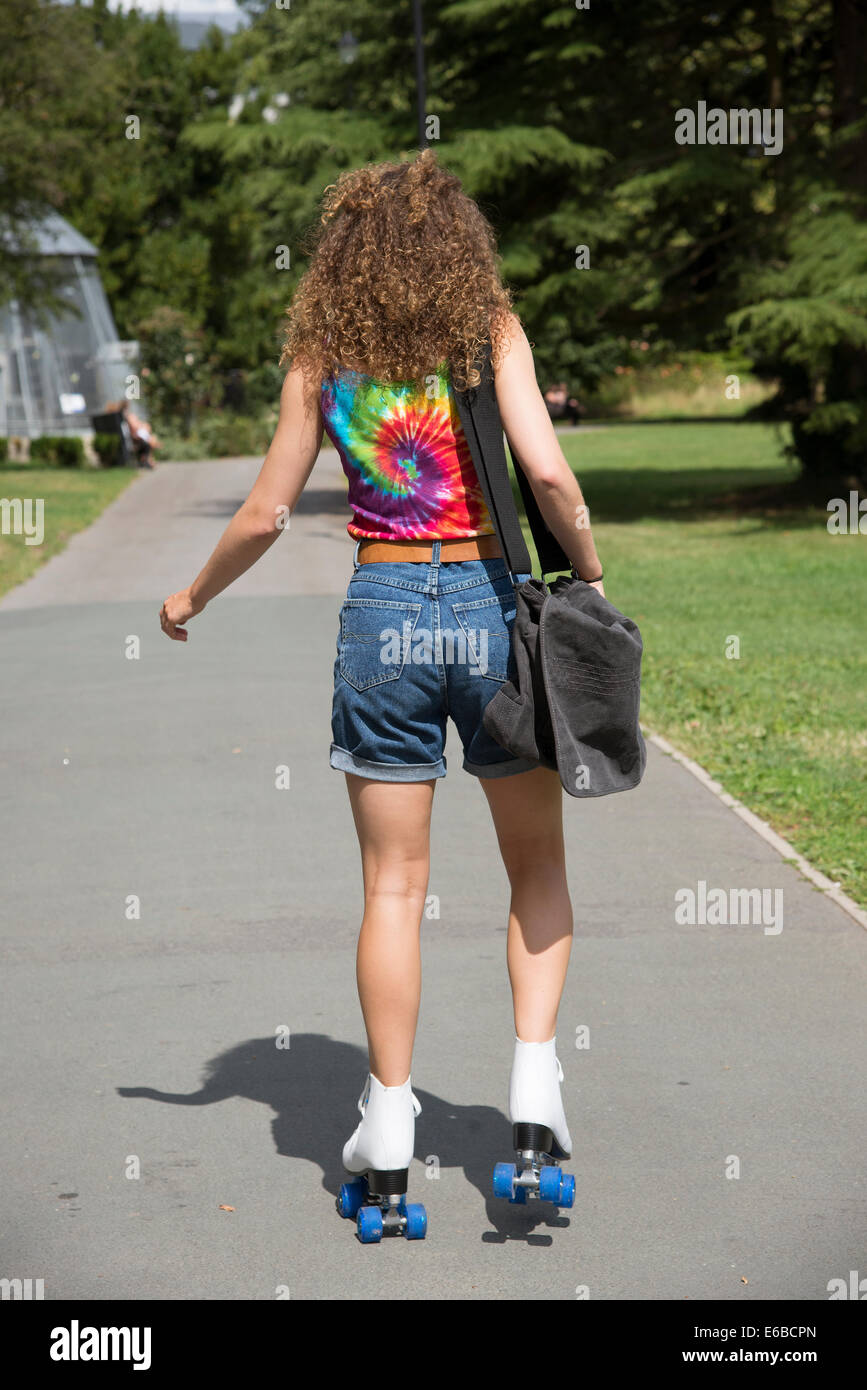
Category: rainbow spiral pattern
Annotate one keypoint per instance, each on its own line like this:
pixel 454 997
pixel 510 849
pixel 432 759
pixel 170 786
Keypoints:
pixel 402 447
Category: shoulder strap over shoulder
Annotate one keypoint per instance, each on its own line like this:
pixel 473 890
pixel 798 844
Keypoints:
pixel 483 427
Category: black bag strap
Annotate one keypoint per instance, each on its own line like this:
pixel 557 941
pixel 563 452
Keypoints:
pixel 483 428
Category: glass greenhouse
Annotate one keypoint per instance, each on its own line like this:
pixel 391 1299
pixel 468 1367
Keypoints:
pixel 59 369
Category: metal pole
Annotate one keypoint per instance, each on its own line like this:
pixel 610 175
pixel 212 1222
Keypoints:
pixel 421 94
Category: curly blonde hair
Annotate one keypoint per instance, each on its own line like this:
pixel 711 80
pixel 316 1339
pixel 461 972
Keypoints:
pixel 404 276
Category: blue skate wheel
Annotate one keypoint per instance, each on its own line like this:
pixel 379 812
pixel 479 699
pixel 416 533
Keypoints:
pixel 416 1222
pixel 504 1179
pixel 369 1225
pixel 550 1182
pixel 519 1198
pixel 350 1198
pixel 567 1190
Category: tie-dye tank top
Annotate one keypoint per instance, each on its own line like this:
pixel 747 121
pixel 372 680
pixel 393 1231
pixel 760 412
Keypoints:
pixel 403 449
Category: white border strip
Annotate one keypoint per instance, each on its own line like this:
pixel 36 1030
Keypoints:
pixel 829 888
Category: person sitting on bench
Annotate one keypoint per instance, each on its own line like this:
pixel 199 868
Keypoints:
pixel 143 439
pixel 561 405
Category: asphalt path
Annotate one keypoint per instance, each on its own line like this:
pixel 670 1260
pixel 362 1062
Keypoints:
pixel 172 919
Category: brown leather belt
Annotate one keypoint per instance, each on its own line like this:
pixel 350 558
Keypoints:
pixel 473 548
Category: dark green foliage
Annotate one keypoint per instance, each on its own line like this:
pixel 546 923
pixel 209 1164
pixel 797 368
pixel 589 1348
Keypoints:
pixel 107 448
pixel 67 450
pixel 176 370
pixel 560 121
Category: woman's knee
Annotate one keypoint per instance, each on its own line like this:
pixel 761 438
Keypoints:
pixel 528 856
pixel 405 877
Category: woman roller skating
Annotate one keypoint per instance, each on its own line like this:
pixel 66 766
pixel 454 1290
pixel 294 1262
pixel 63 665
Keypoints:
pixel 401 296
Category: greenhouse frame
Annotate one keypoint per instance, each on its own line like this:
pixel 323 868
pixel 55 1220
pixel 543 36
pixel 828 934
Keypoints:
pixel 59 369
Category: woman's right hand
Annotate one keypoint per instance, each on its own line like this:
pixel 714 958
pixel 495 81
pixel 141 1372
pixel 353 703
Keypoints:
pixel 177 610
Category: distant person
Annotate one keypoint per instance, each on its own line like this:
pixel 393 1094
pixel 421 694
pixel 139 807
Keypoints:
pixel 138 437
pixel 561 405
pixel 144 441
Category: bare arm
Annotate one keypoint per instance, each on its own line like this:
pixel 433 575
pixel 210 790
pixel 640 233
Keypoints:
pixel 263 515
pixel 534 442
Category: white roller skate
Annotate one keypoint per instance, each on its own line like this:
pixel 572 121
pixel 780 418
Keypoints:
pixel 539 1130
pixel 379 1153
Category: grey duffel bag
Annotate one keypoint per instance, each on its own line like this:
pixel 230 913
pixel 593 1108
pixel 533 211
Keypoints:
pixel 572 703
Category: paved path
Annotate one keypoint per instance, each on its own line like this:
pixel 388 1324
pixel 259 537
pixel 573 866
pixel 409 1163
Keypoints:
pixel 152 1037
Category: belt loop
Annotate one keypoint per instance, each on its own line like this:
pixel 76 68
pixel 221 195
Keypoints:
pixel 355 560
pixel 435 566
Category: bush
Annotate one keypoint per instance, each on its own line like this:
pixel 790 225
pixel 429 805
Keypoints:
pixel 806 325
pixel 67 450
pixel 4 449
pixel 222 434
pixel 677 385
pixel 177 449
pixel 42 450
pixel 107 448
pixel 262 387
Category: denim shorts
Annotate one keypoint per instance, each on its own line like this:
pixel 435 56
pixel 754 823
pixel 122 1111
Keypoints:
pixel 419 642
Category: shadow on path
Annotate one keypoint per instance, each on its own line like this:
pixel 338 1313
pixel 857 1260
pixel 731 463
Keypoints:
pixel 313 1087
pixel 313 500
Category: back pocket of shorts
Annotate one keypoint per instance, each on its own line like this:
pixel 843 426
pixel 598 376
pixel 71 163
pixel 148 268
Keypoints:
pixel 375 639
pixel 486 625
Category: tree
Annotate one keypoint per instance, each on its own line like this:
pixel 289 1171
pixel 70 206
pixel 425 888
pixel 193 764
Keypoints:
pixel 56 88
pixel 561 122
pixel 175 369
pixel 807 319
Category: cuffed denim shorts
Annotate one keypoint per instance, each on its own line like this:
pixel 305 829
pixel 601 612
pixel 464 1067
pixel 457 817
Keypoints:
pixel 419 642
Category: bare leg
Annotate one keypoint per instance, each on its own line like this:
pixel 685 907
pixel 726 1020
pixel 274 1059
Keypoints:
pixel 392 820
pixel 528 817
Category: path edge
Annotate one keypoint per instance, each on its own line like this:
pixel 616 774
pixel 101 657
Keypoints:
pixel 766 832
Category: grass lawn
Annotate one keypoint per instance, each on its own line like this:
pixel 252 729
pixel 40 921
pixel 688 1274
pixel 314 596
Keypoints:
pixel 784 726
pixel 73 497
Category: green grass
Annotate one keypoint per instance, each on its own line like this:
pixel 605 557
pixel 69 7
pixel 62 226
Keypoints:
pixel 73 497
pixel 784 726
pixel 666 399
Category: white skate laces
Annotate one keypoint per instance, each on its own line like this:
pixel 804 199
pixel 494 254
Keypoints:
pixel 365 1097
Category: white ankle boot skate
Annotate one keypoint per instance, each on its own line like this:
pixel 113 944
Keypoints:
pixel 539 1130
pixel 379 1153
